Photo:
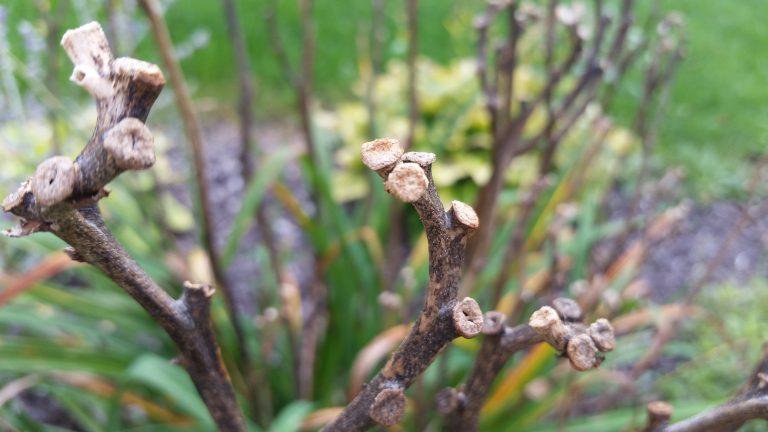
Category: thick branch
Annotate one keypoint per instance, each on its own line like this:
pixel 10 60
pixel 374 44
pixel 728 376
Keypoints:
pixel 443 317
pixel 61 198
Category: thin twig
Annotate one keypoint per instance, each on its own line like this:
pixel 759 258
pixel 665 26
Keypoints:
pixel 194 135
pixel 245 82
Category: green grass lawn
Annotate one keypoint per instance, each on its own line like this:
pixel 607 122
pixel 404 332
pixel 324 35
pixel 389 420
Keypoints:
pixel 718 113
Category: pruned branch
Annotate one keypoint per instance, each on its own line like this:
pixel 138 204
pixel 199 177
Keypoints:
pixel 559 326
pixel 61 198
pixel 408 176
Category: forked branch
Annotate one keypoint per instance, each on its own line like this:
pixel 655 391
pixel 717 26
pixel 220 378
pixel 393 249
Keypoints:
pixel 408 176
pixel 61 198
pixel 559 326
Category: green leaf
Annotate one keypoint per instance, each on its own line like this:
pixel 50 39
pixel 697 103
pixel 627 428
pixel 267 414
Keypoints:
pixel 270 169
pixel 173 382
pixel 290 417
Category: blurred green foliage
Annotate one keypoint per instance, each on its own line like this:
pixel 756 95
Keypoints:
pixel 454 124
pixel 715 117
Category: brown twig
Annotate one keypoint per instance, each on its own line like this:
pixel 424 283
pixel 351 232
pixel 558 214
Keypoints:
pixel 245 82
pixel 112 25
pixel 192 129
pixel 444 317
pixel 313 304
pixel 61 198
pixel 256 387
pixel 508 139
pixel 306 76
pixel 559 326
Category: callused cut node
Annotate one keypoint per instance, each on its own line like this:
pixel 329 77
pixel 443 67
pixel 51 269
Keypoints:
pixel 207 290
pixel 493 323
pixel 138 70
pixel 407 182
pixel 381 154
pixel 568 309
pixel 131 144
pixel 465 215
pixel 87 46
pixel 54 180
pixel 659 413
pixel 88 49
pixel 583 353
pixel 422 158
pixel 548 324
pixel 388 408
pixel 601 332
pixel 468 318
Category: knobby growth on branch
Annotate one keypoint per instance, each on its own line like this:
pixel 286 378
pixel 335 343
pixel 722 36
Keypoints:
pixel 62 198
pixel 408 177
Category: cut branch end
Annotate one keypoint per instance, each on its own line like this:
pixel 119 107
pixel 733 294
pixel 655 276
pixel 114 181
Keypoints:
pixel 53 181
pixel 465 215
pixel 468 318
pixel 659 413
pixel 381 154
pixel 422 158
pixel 407 182
pixel 493 323
pixel 131 144
pixel 582 353
pixel 549 326
pixel 601 332
pixel 568 309
pixel 388 408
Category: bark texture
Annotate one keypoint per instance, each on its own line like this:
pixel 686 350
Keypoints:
pixel 62 198
pixel 442 313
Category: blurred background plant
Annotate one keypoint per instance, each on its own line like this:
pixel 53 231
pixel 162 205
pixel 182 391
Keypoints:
pixel 326 288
